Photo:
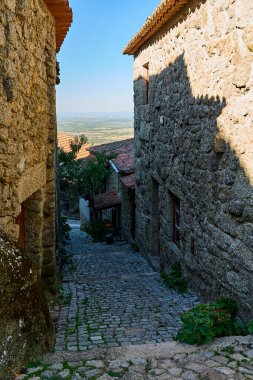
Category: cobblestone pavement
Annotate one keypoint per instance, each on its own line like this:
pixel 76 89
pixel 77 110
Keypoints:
pixel 118 320
pixel 229 359
pixel 112 297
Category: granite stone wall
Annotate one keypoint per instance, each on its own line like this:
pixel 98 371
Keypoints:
pixel 27 128
pixel 26 329
pixel 127 214
pixel 193 140
pixel 27 179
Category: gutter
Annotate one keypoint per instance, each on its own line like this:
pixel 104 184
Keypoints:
pixel 114 167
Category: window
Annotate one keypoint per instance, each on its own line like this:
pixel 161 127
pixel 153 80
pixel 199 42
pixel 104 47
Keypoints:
pixel 146 83
pixel 176 220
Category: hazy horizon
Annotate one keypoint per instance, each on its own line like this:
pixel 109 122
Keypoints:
pixel 95 114
pixel 98 127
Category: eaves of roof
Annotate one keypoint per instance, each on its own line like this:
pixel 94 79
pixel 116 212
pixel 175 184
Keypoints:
pixel 106 200
pixel 117 147
pixel 63 16
pixel 129 181
pixel 162 14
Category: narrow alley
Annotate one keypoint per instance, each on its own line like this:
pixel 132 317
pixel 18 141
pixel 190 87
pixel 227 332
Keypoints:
pixel 114 298
pixel 119 320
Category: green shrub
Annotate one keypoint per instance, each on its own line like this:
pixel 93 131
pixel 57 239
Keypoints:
pixel 96 229
pixel 250 328
pixel 175 279
pixel 64 258
pixel 135 247
pixel 206 321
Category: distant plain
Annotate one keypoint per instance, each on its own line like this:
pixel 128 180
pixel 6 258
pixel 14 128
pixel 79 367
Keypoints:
pixel 98 128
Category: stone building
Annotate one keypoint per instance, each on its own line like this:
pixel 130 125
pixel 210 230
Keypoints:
pixel 31 32
pixel 193 84
pixel 117 201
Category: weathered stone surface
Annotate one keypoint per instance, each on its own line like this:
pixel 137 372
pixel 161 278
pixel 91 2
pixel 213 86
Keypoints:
pixel 194 141
pixel 28 120
pixel 24 316
pixel 27 124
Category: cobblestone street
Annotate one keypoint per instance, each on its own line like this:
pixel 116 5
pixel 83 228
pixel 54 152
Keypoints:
pixel 118 321
pixel 114 298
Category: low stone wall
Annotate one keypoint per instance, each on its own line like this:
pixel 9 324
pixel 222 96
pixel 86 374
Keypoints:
pixel 194 140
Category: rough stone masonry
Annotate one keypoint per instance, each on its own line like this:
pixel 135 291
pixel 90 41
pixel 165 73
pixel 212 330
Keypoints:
pixel 30 35
pixel 193 82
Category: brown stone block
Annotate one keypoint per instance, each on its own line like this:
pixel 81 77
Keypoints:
pixel 48 255
pixel 48 238
pixel 49 270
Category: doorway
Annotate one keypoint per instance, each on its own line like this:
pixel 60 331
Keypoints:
pixel 155 220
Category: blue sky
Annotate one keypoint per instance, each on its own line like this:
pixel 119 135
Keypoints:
pixel 95 76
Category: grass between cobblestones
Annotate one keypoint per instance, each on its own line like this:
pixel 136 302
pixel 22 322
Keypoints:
pixel 229 362
pixel 119 311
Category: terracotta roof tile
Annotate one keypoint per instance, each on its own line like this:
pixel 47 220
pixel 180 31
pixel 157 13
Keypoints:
pixel 129 180
pixel 63 142
pixel 125 162
pixel 163 13
pixel 118 147
pixel 124 150
pixel 63 16
pixel 106 200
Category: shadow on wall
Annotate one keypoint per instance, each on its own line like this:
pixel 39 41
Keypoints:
pixel 195 147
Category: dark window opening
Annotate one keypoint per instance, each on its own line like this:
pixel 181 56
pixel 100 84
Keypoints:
pixel 192 246
pixel 133 212
pixel 155 243
pixel 146 84
pixel 176 220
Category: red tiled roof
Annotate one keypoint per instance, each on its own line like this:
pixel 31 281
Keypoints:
pixel 63 16
pixel 118 147
pixel 123 149
pixel 106 200
pixel 125 162
pixel 63 142
pixel 129 180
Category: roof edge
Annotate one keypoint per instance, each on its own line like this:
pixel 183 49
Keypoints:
pixel 163 13
pixel 63 15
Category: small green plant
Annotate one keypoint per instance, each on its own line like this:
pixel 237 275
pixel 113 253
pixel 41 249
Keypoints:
pixel 175 279
pixel 206 321
pixel 135 247
pixel 96 229
pixel 229 349
pixel 66 365
pixel 250 327
pixel 38 362
pixel 85 301
pixel 64 258
pixel 66 299
pixel 64 228
pixel 114 374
